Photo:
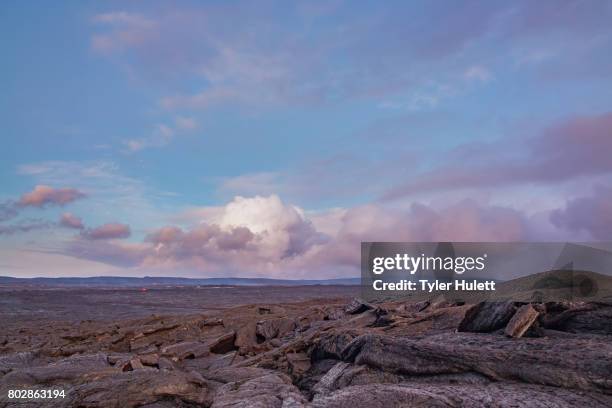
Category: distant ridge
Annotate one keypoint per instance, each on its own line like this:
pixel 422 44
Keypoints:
pixel 114 281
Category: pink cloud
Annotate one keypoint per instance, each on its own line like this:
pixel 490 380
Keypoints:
pixel 108 231
pixel 44 195
pixel 69 220
pixel 575 147
pixel 592 214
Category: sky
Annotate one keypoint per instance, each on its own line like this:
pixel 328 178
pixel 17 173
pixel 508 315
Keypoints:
pixel 268 139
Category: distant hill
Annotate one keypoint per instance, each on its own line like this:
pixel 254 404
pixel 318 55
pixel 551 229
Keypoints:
pixel 121 281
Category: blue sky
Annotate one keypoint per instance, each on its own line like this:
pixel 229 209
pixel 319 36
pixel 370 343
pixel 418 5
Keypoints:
pixel 270 138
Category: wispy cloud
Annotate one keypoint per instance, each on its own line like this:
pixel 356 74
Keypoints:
pixel 24 226
pixel 380 52
pixel 108 231
pixel 572 148
pixel 478 73
pixel 162 134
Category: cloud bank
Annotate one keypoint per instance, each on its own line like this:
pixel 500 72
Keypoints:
pixel 263 236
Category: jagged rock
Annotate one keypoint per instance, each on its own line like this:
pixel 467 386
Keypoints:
pixel 427 322
pixel 234 374
pixel 441 301
pixel 269 329
pixel 460 396
pixel 149 359
pixel 412 307
pixel 186 349
pixel 246 336
pixel 335 314
pixel 365 319
pixel 157 329
pixel 71 369
pixel 597 321
pixel 313 315
pixel 273 390
pixel 357 306
pixel 113 359
pixel 585 364
pixel 138 388
pixel 522 320
pixel 223 344
pixel 299 363
pixel 329 381
pixel 330 345
pixel 165 364
pixel 487 317
pixel 17 360
pixel 382 318
pixel 578 317
pixel 132 364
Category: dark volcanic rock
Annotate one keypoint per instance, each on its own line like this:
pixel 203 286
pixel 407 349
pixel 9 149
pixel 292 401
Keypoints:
pixel 579 317
pixel 331 345
pixel 487 317
pixel 584 365
pixel 357 306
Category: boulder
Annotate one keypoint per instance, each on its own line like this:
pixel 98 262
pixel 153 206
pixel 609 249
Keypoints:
pixel 357 306
pixel 246 336
pixel 223 344
pixel 269 329
pixel 330 345
pixel 487 317
pixel 149 359
pixel 522 320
